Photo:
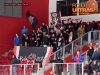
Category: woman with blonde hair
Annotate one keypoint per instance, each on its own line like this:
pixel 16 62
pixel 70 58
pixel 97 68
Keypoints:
pixel 88 68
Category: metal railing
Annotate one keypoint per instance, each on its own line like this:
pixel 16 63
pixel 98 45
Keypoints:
pixel 19 69
pixel 77 44
pixel 72 67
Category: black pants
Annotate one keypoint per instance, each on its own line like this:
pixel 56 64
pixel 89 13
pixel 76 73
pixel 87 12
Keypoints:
pixel 60 70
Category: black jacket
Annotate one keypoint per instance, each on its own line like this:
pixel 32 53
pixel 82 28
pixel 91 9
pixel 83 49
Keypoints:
pixel 90 52
pixel 87 28
pixel 95 67
pixel 95 26
pixel 45 40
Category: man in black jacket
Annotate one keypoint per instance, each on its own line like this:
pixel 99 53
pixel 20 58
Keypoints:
pixel 87 29
pixel 14 62
pixel 45 40
pixel 95 30
pixel 59 66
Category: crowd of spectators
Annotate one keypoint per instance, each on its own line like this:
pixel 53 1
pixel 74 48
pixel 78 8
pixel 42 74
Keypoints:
pixel 58 36
pixel 93 68
pixel 55 35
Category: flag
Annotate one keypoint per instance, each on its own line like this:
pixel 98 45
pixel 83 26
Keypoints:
pixel 38 54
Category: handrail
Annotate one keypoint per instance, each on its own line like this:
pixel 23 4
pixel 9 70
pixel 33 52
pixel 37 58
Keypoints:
pixel 65 46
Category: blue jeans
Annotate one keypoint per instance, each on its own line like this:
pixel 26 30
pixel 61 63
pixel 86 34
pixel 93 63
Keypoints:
pixel 78 69
pixel 89 58
pixel 95 34
pixel 59 53
pixel 14 70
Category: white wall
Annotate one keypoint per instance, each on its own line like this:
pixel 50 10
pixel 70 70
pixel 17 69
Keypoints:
pixel 52 8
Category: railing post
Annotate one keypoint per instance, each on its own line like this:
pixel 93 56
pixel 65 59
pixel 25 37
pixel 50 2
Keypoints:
pixel 38 70
pixel 67 67
pixel 74 69
pixel 54 55
pixel 63 52
pixel 11 70
pixel 24 68
pixel 82 69
pixel 89 37
pixel 86 55
pixel 99 39
pixel 43 67
pixel 53 67
pixel 72 50
pixel 81 43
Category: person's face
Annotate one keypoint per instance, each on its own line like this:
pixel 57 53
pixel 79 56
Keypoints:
pixel 90 47
pixel 78 53
pixel 53 35
pixel 69 26
pixel 38 34
pixel 24 35
pixel 24 27
pixel 94 72
pixel 59 39
pixel 94 62
pixel 81 26
pixel 54 15
pixel 42 23
pixel 33 30
pixel 13 56
pixel 16 35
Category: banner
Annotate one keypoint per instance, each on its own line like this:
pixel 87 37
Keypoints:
pixel 73 20
pixel 38 54
pixel 56 17
pixel 32 19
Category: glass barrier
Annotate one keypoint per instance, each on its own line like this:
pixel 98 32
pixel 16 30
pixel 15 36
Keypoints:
pixel 73 68
pixel 19 69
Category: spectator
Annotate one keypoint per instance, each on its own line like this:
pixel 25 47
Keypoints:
pixel 88 68
pixel 62 73
pixel 51 73
pixel 70 40
pixel 94 65
pixel 69 29
pixel 43 28
pixel 90 52
pixel 25 40
pixel 33 35
pixel 76 26
pixel 87 29
pixel 78 58
pixel 17 40
pixel 95 55
pixel 45 40
pixel 80 31
pixel 68 73
pixel 54 45
pixel 85 73
pixel 39 40
pixel 14 62
pixel 95 30
pixel 58 46
pixel 24 30
pixel 94 72
pixel 59 66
